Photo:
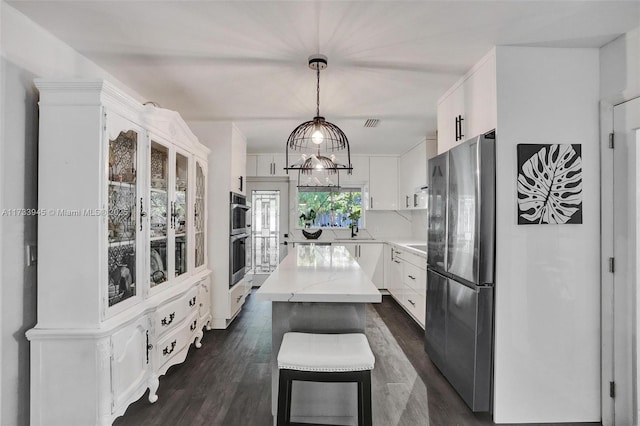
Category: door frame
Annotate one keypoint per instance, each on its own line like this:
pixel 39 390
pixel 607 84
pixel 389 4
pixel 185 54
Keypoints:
pixel 285 207
pixel 608 330
pixel 606 251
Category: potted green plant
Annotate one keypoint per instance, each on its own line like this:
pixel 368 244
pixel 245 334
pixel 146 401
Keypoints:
pixel 354 216
pixel 308 218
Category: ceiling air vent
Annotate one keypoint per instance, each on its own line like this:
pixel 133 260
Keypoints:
pixel 371 122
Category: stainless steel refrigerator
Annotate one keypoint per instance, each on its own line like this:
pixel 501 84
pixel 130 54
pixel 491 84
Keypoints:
pixel 460 267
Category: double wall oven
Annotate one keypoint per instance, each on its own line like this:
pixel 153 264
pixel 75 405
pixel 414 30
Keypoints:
pixel 238 234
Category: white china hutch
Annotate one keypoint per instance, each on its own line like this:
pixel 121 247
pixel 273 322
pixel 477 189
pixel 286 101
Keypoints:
pixel 123 282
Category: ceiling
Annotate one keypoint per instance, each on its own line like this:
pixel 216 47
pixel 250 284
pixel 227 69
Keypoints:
pixel 247 61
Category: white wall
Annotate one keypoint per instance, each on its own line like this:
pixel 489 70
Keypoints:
pixel 27 52
pixel 217 136
pixel 547 300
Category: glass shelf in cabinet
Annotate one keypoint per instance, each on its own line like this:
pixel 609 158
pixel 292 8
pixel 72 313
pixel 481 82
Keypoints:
pixel 119 243
pixel 122 184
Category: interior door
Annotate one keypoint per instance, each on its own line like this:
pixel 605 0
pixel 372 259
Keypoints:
pixel 269 197
pixel 625 301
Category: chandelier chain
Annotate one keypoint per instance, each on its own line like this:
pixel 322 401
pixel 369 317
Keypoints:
pixel 318 93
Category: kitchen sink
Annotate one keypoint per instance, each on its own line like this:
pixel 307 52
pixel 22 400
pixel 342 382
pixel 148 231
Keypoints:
pixel 421 247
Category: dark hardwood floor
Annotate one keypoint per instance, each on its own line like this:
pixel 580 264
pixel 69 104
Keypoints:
pixel 227 382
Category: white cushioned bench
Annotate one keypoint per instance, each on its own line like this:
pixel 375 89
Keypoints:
pixel 325 358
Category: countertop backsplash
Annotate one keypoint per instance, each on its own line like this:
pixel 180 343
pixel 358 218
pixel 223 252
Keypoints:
pixel 380 225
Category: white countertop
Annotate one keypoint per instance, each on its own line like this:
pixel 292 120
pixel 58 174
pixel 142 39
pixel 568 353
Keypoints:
pixel 319 273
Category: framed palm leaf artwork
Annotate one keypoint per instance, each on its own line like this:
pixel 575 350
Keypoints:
pixel 549 184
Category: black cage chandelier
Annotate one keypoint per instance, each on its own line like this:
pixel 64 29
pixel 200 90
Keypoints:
pixel 316 137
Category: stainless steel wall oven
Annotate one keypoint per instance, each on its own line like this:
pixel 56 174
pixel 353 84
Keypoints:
pixel 238 216
pixel 237 238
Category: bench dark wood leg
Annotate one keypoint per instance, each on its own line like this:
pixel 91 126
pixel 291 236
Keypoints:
pixel 284 399
pixel 367 417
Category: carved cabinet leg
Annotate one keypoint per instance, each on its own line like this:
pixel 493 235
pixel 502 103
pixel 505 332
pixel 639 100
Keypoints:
pixel 199 336
pixel 154 383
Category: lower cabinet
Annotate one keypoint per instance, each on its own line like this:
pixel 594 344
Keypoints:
pixel 407 281
pixel 90 376
pixel 369 257
pixel 130 363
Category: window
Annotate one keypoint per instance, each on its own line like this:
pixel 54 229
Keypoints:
pixel 329 207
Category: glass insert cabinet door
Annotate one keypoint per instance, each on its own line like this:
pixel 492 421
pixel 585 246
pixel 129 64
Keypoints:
pixel 158 214
pixel 123 221
pixel 199 216
pixel 180 213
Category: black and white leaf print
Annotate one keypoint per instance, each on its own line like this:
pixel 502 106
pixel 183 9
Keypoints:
pixel 550 185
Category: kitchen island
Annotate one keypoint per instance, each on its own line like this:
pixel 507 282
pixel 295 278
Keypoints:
pixel 318 289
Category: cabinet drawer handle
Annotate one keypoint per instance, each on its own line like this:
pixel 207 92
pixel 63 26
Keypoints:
pixel 193 326
pixel 412 277
pixel 397 261
pixel 166 351
pixel 166 322
pixel 406 201
pixel 411 301
pixel 371 202
pixel 238 299
pixel 192 301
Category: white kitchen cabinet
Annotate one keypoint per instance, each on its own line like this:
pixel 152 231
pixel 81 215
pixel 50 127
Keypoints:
pixel 383 183
pixel 252 165
pixel 271 165
pixel 412 176
pixel 121 242
pixel 450 111
pixel 469 108
pixel 360 172
pixel 238 163
pixel 392 272
pixel 369 257
pixel 408 281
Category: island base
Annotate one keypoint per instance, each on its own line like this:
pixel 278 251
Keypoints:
pixel 316 402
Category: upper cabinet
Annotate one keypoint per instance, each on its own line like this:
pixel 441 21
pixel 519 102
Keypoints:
pixel 469 108
pixel 271 165
pixel 383 183
pixel 252 165
pixel 238 162
pixel 360 172
pixel 412 178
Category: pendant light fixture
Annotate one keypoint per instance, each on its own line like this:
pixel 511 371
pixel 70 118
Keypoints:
pixel 318 136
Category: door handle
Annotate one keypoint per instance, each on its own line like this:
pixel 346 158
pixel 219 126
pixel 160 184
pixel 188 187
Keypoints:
pixel 406 201
pixel 415 200
pixel 371 202
pixel 241 182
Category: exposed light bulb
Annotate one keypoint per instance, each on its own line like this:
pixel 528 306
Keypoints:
pixel 317 137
